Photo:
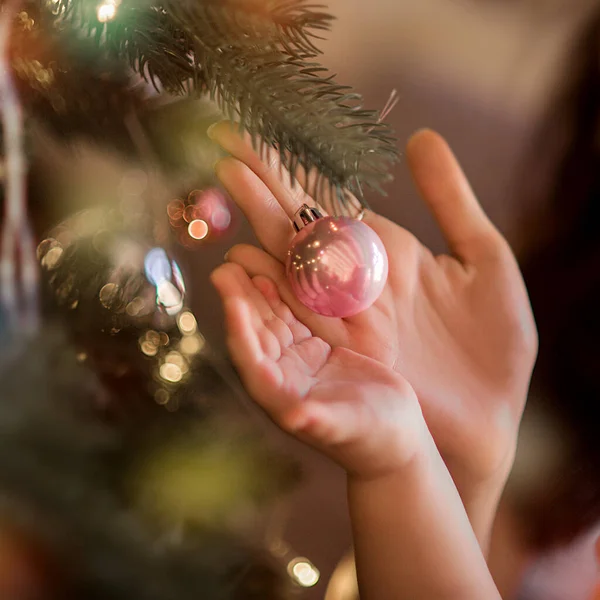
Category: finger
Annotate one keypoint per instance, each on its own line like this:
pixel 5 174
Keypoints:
pixel 245 347
pixel 446 190
pixel 260 375
pixel 257 262
pixel 269 290
pixel 269 222
pixel 289 193
pixel 231 280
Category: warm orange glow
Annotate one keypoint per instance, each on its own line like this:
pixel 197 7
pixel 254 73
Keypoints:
pixel 198 229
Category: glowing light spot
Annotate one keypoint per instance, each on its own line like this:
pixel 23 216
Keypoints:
pixel 303 572
pixel 191 345
pixel 162 397
pixel 153 337
pixel 221 219
pixel 170 372
pixel 198 229
pixel 135 307
pixel 173 405
pixel 175 210
pixel 107 11
pixel 187 323
pixel 177 359
pixel 109 295
pixel 189 214
pixel 45 246
pixel 148 348
pixel 52 258
pixel 81 357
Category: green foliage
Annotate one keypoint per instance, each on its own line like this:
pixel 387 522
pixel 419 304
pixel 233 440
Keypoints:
pixel 257 60
pixel 63 477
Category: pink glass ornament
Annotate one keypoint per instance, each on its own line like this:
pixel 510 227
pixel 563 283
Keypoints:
pixel 336 266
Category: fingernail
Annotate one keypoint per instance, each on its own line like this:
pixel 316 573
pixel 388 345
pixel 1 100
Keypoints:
pixel 226 257
pixel 210 132
pixel 419 132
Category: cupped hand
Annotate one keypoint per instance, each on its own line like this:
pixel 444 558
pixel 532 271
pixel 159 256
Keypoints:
pixel 459 327
pixel 354 409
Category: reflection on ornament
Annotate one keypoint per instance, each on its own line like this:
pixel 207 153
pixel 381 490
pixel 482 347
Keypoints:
pixel 303 572
pixel 337 267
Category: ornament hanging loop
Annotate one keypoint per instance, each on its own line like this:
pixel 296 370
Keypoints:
pixel 304 216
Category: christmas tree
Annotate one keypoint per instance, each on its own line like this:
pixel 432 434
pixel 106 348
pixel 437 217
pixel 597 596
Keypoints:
pixel 119 476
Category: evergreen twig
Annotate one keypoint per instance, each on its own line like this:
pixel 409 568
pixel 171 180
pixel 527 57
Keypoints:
pixel 262 75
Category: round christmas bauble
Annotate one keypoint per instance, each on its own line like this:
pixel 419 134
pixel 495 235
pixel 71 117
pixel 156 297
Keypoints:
pixel 337 266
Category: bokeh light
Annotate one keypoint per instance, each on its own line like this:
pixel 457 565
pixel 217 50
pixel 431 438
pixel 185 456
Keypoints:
pixel 170 372
pixel 204 216
pixel 198 229
pixel 107 11
pixel 303 572
pixel 191 344
pixel 187 323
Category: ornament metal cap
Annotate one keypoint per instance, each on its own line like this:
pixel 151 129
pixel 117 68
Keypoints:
pixel 305 215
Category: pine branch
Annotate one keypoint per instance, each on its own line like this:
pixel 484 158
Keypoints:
pixel 66 86
pixel 295 105
pixel 290 26
pixel 262 77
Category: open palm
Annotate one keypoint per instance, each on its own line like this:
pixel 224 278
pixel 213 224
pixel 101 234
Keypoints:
pixel 332 398
pixel 459 327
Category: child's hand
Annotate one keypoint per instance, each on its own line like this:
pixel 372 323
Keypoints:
pixel 354 409
pixel 459 327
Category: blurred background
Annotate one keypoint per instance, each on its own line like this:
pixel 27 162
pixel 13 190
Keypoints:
pixel 488 75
